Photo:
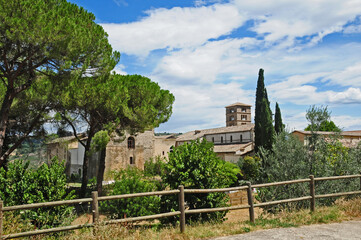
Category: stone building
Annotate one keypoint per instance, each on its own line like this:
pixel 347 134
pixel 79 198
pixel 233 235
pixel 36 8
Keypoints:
pixel 70 150
pixel 347 138
pixel 230 142
pixel 128 150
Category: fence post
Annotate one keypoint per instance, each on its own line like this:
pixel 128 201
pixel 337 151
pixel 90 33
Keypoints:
pixel 312 193
pixel 182 216
pixel 250 202
pixel 95 211
pixel 1 218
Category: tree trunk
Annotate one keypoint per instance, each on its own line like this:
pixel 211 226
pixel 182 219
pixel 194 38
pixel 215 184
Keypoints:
pixel 87 154
pixel 100 175
pixel 4 120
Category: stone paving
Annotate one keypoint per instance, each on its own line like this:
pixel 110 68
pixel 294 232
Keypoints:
pixel 350 230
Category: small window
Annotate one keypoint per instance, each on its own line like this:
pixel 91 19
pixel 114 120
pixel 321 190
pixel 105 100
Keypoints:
pixel 131 160
pixel 171 149
pixel 212 139
pixel 232 110
pixel 231 118
pixel 163 153
pixel 221 139
pixel 240 138
pixel 231 138
pixel 243 109
pixel 244 117
pixel 131 142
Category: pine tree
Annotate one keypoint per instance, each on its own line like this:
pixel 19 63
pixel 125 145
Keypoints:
pixel 278 120
pixel 264 131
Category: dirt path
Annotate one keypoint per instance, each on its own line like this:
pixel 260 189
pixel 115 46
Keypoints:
pixel 350 230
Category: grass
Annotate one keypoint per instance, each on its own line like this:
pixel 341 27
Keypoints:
pixel 342 210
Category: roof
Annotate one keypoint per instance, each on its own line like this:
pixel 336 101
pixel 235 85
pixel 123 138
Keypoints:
pixel 238 104
pixel 168 136
pixel 193 135
pixel 231 148
pixel 356 133
pixel 66 139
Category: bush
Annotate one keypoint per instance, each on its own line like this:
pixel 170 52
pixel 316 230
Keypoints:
pixel 289 159
pixel 196 166
pixel 250 168
pixel 21 185
pixel 131 180
pixel 155 167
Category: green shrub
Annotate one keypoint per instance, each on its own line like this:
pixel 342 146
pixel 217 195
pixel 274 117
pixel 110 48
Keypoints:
pixel 131 180
pixel 195 165
pixel 21 185
pixel 289 159
pixel 155 166
pixel 250 167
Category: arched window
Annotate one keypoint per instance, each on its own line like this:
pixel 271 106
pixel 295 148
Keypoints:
pixel 131 161
pixel 131 142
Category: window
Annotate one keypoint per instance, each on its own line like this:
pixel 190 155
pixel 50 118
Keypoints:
pixel 231 118
pixel 231 138
pixel 212 139
pixel 244 117
pixel 131 142
pixel 163 153
pixel 131 160
pixel 240 138
pixel 221 139
pixel 243 109
pixel 232 110
pixel 171 149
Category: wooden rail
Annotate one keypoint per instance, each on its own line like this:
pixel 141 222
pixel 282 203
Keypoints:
pixel 94 200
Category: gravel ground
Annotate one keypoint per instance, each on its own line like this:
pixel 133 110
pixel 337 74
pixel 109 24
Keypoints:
pixel 350 230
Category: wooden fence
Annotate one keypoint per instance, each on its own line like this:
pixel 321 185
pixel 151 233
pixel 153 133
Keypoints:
pixel 94 200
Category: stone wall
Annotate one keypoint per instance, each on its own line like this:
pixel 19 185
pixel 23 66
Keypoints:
pixel 120 156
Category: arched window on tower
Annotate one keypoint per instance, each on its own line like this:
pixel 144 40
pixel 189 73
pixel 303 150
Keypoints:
pixel 131 142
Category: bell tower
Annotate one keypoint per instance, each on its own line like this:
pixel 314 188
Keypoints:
pixel 238 114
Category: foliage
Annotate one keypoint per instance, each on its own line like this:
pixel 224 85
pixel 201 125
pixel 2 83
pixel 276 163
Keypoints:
pixel 264 131
pixel 195 165
pixel 53 40
pixel 290 159
pixel 316 116
pixel 133 103
pixel 21 185
pixel 326 126
pixel 250 167
pixel 279 126
pixel 131 180
pixel 155 166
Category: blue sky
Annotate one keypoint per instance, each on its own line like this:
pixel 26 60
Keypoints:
pixel 208 53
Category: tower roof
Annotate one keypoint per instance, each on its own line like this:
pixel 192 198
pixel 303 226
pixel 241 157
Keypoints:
pixel 239 104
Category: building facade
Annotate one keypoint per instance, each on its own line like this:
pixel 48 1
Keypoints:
pixel 230 142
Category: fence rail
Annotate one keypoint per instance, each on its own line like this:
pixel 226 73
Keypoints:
pixel 94 200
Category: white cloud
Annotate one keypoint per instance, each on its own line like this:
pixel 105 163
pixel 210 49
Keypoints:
pixel 351 95
pixel 174 28
pixel 203 64
pixel 283 20
pixel 119 69
pixel 347 122
pixel 350 76
pixel 352 29
pixel 202 106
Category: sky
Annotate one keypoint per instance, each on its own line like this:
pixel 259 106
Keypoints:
pixel 208 54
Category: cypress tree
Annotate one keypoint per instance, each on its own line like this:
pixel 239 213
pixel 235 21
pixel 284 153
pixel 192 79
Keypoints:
pixel 278 120
pixel 264 131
